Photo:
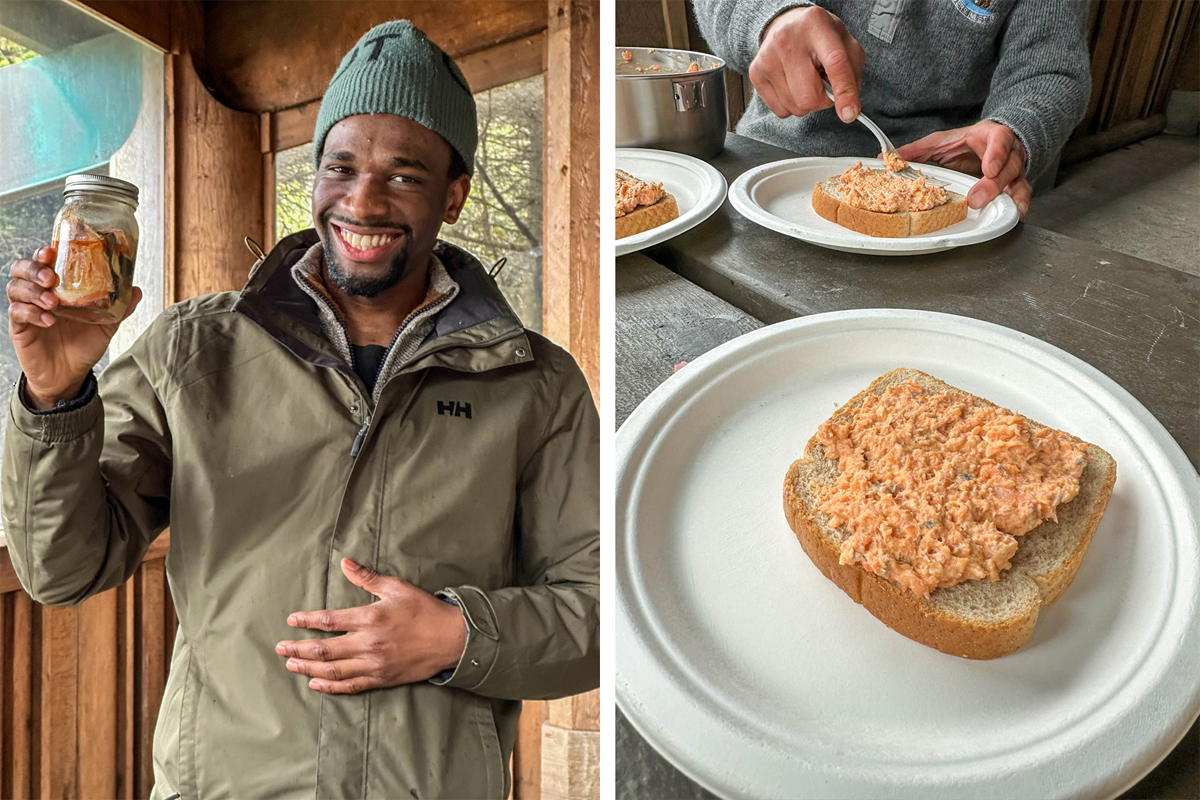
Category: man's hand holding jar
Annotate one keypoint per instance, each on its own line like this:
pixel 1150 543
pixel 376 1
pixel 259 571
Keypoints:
pixel 66 303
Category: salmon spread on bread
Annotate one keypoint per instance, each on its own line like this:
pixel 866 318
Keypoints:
pixel 883 190
pixel 934 490
pixel 633 192
pixel 951 520
pixel 642 205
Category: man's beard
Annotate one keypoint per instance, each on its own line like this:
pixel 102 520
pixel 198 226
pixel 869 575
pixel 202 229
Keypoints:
pixel 360 285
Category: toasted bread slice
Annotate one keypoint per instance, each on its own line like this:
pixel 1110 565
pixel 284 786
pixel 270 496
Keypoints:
pixel 895 225
pixel 975 619
pixel 644 218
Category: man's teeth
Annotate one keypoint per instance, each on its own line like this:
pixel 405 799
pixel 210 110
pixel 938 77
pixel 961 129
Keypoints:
pixel 364 242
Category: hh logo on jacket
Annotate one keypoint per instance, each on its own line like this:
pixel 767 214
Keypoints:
pixel 454 409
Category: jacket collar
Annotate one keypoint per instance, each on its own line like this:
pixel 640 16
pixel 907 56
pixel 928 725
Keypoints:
pixel 477 317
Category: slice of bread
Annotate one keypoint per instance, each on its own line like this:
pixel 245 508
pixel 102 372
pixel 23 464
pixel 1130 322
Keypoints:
pixel 974 619
pixel 895 225
pixel 643 218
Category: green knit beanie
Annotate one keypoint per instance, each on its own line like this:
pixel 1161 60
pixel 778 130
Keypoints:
pixel 395 69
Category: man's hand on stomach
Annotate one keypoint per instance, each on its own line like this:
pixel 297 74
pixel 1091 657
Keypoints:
pixel 986 148
pixel 796 46
pixel 55 353
pixel 408 636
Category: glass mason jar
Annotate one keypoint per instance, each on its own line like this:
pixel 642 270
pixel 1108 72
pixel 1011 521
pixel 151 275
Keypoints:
pixel 95 242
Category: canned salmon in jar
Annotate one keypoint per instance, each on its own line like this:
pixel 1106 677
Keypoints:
pixel 95 243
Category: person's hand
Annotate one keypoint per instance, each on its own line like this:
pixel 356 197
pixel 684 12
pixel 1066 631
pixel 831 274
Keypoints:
pixel 797 46
pixel 986 148
pixel 55 353
pixel 408 636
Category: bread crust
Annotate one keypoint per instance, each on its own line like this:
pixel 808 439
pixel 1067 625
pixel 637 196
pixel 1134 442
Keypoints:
pixel 644 218
pixel 894 225
pixel 976 619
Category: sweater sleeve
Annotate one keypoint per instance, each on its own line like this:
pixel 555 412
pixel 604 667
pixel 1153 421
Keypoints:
pixel 86 489
pixel 539 639
pixel 733 28
pixel 1042 81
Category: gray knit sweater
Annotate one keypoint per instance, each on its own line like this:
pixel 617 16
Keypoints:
pixel 931 65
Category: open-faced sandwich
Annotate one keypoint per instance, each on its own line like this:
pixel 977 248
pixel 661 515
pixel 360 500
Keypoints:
pixel 642 205
pixel 878 202
pixel 952 520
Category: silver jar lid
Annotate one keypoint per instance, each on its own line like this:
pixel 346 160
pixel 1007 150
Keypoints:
pixel 87 182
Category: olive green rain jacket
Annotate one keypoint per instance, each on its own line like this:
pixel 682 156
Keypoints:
pixel 232 419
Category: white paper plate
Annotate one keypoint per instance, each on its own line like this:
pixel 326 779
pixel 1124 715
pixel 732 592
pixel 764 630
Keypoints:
pixel 778 196
pixel 698 188
pixel 758 677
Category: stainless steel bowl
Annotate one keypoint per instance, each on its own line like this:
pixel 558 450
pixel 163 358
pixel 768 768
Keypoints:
pixel 660 104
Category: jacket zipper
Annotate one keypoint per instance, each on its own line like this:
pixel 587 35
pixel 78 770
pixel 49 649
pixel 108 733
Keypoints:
pixel 360 437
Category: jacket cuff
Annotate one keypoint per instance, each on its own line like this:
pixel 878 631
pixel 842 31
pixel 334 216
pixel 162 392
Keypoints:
pixel 68 420
pixel 446 674
pixel 483 639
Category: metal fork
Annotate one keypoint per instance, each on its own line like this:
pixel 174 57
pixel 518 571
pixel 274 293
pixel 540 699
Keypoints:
pixel 886 146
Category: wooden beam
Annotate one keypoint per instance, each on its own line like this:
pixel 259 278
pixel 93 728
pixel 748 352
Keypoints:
pixel 1095 144
pixel 505 63
pixel 149 22
pixel 496 66
pixel 571 215
pixel 265 55
pixel 292 127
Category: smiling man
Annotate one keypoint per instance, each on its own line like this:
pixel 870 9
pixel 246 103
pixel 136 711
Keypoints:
pixel 382 490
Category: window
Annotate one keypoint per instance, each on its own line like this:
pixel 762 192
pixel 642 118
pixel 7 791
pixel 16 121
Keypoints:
pixel 76 95
pixel 503 215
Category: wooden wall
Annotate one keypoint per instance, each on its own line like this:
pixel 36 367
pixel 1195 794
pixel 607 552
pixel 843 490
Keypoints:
pixel 1136 48
pixel 80 687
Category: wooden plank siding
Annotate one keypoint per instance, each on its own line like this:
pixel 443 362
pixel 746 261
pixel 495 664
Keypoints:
pixel 1136 51
pixel 80 687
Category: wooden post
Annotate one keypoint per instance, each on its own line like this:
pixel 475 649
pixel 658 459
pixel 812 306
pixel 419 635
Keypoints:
pixel 675 22
pixel 564 733
pixel 571 261
pixel 266 134
pixel 571 749
pixel 218 176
